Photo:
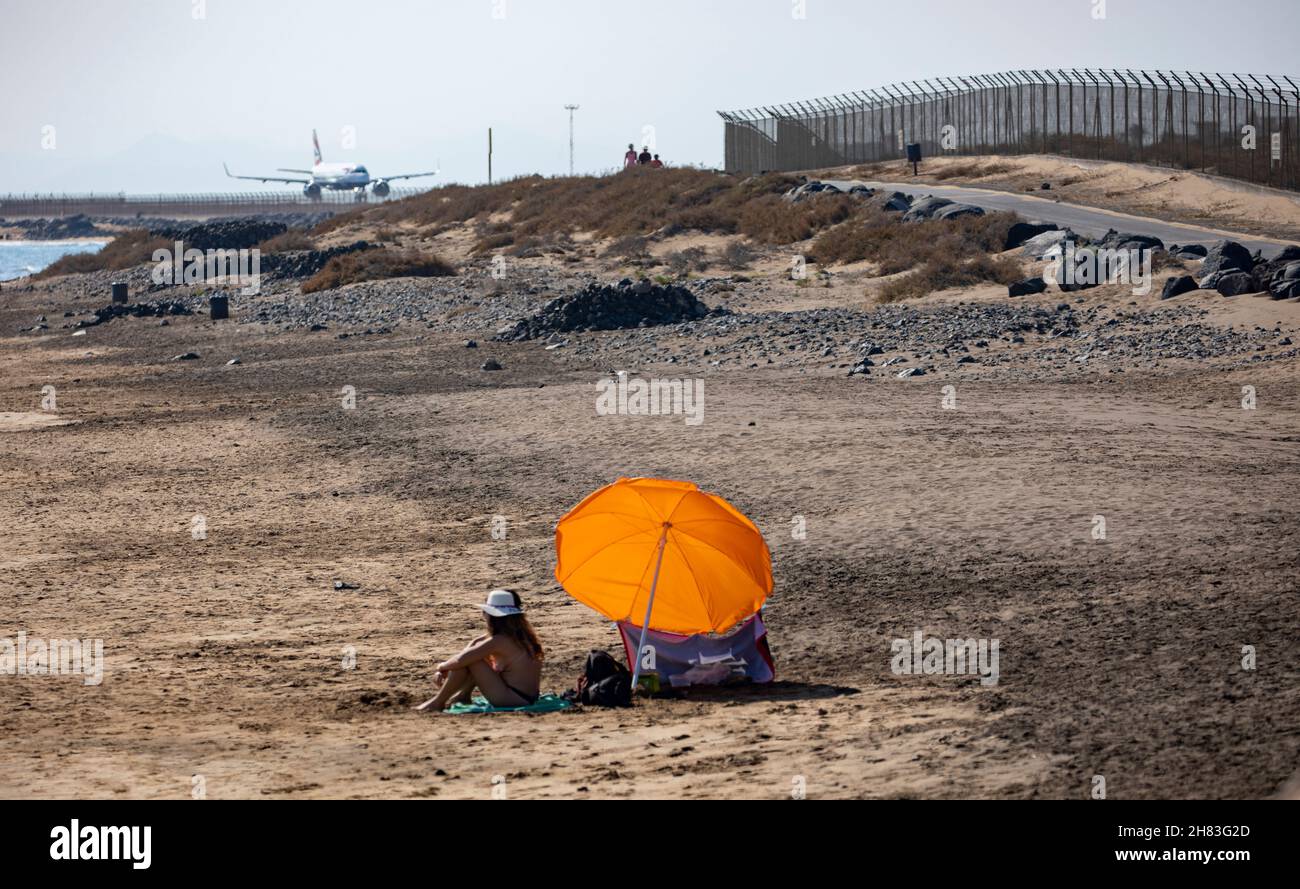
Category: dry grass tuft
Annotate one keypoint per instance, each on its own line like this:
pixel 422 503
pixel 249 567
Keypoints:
pixel 286 242
pixel 738 255
pixel 683 262
pixel 376 264
pixel 130 248
pixel 895 246
pixel 944 252
pixel 944 271
pixel 634 202
pixel 972 170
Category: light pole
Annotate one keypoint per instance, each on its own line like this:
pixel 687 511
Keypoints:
pixel 571 109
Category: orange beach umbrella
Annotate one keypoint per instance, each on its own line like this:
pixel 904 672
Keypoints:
pixel 688 559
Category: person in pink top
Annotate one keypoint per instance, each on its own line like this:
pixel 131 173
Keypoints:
pixel 629 159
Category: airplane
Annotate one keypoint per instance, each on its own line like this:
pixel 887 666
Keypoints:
pixel 336 177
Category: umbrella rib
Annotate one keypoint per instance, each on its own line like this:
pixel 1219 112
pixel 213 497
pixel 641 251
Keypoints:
pixel 652 506
pixel 599 551
pixel 584 515
pixel 725 521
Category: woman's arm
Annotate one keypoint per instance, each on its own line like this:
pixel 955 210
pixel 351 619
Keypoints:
pixel 477 650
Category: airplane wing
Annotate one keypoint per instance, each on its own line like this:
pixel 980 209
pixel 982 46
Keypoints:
pixel 406 176
pixel 263 178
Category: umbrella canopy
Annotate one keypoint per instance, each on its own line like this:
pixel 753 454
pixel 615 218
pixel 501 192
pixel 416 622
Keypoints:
pixel 689 560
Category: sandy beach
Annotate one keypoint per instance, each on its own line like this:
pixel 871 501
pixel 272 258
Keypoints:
pixel 195 515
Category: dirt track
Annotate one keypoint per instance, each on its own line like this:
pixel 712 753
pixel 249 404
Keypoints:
pixel 224 656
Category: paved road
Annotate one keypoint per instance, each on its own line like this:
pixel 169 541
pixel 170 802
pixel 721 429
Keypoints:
pixel 1085 220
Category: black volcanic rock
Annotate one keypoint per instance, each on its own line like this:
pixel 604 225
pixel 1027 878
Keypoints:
pixel 1178 285
pixel 1224 256
pixel 222 234
pixel 1027 287
pixel 155 309
pixel 606 307
pixel 304 263
pixel 77 226
pixel 1023 231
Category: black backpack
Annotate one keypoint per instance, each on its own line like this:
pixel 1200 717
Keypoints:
pixel 605 682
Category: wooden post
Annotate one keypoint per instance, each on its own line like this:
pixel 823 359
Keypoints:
pixel 489 155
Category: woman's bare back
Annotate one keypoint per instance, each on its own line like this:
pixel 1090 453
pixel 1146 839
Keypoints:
pixel 517 667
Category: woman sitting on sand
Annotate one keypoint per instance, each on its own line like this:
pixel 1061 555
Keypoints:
pixel 505 665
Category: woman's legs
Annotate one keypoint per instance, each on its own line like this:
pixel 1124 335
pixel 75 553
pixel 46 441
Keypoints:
pixel 466 693
pixel 493 687
pixel 460 684
pixel 452 686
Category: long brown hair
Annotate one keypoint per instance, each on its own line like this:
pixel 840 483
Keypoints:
pixel 517 627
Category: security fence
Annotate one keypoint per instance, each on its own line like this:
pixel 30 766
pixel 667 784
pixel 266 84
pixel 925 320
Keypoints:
pixel 1242 126
pixel 172 205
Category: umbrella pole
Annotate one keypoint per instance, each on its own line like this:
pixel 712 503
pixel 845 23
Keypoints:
pixel 645 624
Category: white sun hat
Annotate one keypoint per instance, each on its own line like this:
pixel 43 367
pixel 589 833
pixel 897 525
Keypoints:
pixel 501 603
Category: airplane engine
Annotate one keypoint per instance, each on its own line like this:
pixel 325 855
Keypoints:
pixel 380 188
pixel 312 191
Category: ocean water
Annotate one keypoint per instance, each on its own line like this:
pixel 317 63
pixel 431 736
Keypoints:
pixel 18 258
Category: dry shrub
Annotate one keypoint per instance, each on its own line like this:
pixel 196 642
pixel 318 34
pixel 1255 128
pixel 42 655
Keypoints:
pixel 692 259
pixel 551 243
pixel 1162 260
pixel 773 220
pixel 896 246
pixel 945 252
pixel 130 248
pixel 490 243
pixel 633 202
pixel 972 170
pixel 944 271
pixel 293 239
pixel 376 264
pixel 869 235
pixel 632 248
pixel 738 255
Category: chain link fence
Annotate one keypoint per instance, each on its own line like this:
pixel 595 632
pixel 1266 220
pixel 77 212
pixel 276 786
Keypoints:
pixel 1242 126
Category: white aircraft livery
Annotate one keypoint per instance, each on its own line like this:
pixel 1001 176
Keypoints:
pixel 337 177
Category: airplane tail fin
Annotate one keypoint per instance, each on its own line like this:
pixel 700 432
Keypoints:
pixel 315 144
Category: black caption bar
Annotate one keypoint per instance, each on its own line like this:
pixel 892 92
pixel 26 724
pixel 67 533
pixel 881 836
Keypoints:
pixel 333 839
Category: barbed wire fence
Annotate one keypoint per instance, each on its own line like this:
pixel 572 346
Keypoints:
pixel 1241 126
pixel 209 204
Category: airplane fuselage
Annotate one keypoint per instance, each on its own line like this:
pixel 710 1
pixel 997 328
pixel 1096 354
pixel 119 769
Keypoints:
pixel 341 177
pixel 335 177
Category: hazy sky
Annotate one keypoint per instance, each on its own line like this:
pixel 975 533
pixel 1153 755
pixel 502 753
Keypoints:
pixel 152 95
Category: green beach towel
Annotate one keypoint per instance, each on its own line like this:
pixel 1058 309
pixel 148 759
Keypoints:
pixel 544 704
